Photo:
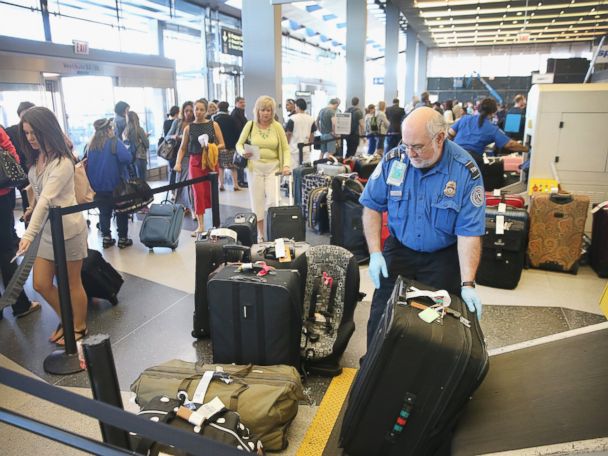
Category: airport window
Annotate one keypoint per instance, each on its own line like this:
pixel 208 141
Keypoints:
pixel 25 20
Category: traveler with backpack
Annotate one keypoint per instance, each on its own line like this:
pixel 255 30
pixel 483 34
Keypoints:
pixel 356 127
pixel 375 123
pixel 138 142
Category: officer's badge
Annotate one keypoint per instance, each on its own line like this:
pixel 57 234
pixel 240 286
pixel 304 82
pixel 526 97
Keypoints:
pixel 477 196
pixel 450 189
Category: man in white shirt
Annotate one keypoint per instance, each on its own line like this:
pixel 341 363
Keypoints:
pixel 299 129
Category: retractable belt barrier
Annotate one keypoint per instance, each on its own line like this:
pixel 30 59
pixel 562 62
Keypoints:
pixel 193 444
pixel 63 363
pixel 340 138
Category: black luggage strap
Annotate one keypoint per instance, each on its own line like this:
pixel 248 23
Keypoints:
pixel 261 329
pixel 146 444
pixel 236 316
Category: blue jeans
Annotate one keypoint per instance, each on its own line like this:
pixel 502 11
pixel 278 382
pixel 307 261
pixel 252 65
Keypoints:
pixel 372 140
pixel 106 207
pixel 141 167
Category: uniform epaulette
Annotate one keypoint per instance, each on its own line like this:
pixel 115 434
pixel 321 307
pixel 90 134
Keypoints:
pixel 473 169
pixel 395 153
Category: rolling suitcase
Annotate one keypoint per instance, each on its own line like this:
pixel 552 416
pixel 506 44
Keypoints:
pixel 557 224
pixel 212 249
pixel 346 216
pixel 266 252
pixel 492 171
pixel 99 278
pixel 318 215
pixel 161 226
pixel 504 245
pixel 285 221
pixel 309 183
pixel 512 162
pixel 332 168
pixel 298 181
pixel 414 380
pixel 246 226
pixel 255 319
pixel 598 253
pixel 496 197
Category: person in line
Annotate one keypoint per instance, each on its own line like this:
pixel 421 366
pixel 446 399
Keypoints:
pixel 383 125
pixel 138 141
pixel 121 111
pixel 434 196
pixel 212 110
pixel 238 113
pixel 107 159
pixel 474 133
pixel 375 123
pixel 201 161
pixel 268 135
pixel 230 132
pixel 356 127
pixel 448 114
pixel 326 124
pixel 300 129
pixel 519 107
pixel 290 107
pixel 182 195
pixel 395 115
pixel 171 116
pixel 458 111
pixel 9 240
pixel 52 178
pixel 425 100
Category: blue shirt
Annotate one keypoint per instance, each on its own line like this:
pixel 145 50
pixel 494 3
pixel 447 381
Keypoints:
pixel 470 136
pixel 429 210
pixel 105 169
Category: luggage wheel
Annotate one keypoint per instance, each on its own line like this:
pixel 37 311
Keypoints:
pixel 200 334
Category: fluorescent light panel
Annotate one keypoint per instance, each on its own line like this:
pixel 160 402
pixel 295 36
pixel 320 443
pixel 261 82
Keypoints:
pixel 475 12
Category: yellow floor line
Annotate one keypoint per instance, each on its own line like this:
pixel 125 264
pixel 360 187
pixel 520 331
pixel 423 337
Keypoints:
pixel 604 302
pixel 318 433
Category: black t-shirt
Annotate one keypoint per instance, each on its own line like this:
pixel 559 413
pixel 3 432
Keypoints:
pixel 229 127
pixel 395 115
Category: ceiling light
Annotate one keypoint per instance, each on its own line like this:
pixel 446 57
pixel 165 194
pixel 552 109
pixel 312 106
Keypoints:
pixel 515 22
pixel 441 26
pixel 532 14
pixel 540 3
pixel 561 12
pixel 597 17
pixel 592 10
pixel 504 15
pixel 553 21
pixel 508 6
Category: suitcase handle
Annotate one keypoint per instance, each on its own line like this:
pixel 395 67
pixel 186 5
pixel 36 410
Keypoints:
pixel 561 198
pixel 278 175
pixel 244 250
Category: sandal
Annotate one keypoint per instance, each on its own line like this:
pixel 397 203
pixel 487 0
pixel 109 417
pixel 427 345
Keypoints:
pixel 78 335
pixel 56 335
pixel 33 308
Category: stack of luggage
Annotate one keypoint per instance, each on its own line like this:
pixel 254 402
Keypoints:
pixel 285 221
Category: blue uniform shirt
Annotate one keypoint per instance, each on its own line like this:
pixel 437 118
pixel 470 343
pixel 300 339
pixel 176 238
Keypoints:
pixel 429 210
pixel 470 136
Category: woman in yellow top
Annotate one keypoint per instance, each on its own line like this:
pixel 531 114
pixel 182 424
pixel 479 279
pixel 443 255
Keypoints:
pixel 268 135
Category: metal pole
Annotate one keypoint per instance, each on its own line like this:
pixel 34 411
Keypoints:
pixel 300 153
pixel 104 384
pixel 215 200
pixel 62 362
pixel 592 63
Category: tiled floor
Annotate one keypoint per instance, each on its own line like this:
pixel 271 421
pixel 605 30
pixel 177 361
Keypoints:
pixel 153 319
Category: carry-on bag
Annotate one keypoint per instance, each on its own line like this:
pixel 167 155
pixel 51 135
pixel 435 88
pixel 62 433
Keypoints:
pixel 211 420
pixel 424 363
pixel 494 198
pixel 598 253
pixel 246 226
pixel 512 162
pixel 266 397
pixel 318 212
pixel 162 225
pixel 332 168
pixel 311 182
pixel 331 293
pixel 212 249
pixel 255 318
pixel 99 278
pixel 504 246
pixel 285 221
pixel 298 180
pixel 492 171
pixel 346 227
pixel 557 225
pixel 267 252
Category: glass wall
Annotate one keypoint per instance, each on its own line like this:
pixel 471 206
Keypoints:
pixel 25 20
pixel 13 94
pixel 187 51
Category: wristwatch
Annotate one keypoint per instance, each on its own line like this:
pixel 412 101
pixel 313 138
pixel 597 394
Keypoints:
pixel 468 284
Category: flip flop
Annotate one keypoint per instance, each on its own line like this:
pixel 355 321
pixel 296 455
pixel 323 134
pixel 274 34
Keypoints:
pixel 78 335
pixel 33 308
pixel 56 338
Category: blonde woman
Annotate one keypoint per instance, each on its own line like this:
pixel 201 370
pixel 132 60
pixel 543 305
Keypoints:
pixel 269 136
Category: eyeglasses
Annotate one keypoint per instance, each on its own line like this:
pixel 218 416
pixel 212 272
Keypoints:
pixel 416 148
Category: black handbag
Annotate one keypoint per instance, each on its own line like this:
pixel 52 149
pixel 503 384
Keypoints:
pixel 11 172
pixel 132 195
pixel 239 161
pixel 168 149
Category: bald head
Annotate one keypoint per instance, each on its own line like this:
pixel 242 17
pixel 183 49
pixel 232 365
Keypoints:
pixel 424 118
pixel 424 129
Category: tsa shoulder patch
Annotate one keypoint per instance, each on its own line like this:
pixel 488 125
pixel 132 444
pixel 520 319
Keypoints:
pixel 377 172
pixel 394 153
pixel 473 169
pixel 477 196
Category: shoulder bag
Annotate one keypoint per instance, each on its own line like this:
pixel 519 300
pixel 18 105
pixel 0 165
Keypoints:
pixel 11 172
pixel 238 160
pixel 82 186
pixel 168 149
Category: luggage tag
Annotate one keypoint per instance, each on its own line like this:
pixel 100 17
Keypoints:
pixel 496 192
pixel 429 315
pixel 500 224
pixel 502 207
pixel 283 254
pixel 397 173
pixel 486 160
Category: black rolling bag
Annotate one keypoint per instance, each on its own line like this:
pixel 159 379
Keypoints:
pixel 493 173
pixel 255 319
pixel 245 225
pixel 346 227
pixel 212 249
pixel 414 381
pixel 298 181
pixel 99 278
pixel 598 253
pixel 285 221
pixel 504 247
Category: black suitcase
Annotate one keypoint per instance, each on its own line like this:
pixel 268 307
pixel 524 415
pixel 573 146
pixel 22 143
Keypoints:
pixel 162 225
pixel 503 255
pixel 318 215
pixel 493 173
pixel 298 181
pixel 598 253
pixel 212 249
pixel 255 319
pixel 99 278
pixel 285 221
pixel 414 380
pixel 246 226
pixel 346 227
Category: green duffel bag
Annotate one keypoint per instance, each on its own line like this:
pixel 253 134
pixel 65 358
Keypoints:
pixel 266 397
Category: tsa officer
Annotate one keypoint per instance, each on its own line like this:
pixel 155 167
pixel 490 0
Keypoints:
pixel 434 195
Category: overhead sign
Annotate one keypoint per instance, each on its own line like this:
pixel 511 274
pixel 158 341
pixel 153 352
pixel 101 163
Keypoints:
pixel 546 78
pixel 378 81
pixel 523 37
pixel 343 123
pixel 232 42
pixel 602 56
pixel 307 97
pixel 81 47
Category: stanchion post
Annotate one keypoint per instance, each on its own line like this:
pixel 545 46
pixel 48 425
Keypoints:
pixel 300 153
pixel 62 362
pixel 104 384
pixel 215 200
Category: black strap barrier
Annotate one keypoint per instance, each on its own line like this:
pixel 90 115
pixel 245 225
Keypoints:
pixel 194 444
pixel 340 138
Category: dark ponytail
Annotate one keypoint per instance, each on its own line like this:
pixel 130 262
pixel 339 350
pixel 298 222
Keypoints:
pixel 487 107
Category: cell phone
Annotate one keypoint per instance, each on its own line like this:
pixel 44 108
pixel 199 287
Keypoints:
pixel 17 255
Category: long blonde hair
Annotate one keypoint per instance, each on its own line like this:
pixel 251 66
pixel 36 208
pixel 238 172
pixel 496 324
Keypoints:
pixel 264 102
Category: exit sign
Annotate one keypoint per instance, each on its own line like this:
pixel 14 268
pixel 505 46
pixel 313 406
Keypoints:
pixel 81 47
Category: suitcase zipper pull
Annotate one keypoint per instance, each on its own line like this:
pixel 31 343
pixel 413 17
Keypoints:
pixel 404 415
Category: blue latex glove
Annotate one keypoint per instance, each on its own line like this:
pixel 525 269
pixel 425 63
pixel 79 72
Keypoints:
pixel 471 299
pixel 377 264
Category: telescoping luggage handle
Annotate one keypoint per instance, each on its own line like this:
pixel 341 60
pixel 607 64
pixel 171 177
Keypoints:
pixel 278 174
